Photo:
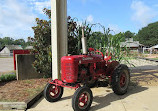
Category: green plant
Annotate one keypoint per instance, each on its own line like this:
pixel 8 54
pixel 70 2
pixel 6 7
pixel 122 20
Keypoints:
pixel 8 77
pixel 107 42
pixel 41 43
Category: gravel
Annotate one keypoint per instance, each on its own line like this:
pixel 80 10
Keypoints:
pixel 142 64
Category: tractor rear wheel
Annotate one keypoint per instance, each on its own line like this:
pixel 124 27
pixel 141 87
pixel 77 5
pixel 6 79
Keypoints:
pixel 53 93
pixel 120 79
pixel 82 99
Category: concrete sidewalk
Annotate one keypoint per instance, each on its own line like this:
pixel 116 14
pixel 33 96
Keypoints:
pixel 138 98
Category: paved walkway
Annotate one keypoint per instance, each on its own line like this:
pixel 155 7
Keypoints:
pixel 6 65
pixel 137 99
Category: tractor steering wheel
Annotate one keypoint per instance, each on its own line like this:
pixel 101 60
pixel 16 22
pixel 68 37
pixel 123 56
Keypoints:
pixel 100 53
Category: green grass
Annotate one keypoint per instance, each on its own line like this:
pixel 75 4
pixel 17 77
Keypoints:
pixel 35 91
pixel 155 58
pixel 6 57
pixel 29 81
pixel 7 77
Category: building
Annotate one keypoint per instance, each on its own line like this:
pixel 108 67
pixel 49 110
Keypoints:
pixel 29 47
pixel 132 45
pixel 8 50
pixel 154 47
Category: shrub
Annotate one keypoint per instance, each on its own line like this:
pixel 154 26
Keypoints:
pixel 8 77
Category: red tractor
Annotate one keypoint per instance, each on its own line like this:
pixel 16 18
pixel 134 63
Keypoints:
pixel 81 72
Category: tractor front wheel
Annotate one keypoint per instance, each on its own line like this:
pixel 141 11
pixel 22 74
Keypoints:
pixel 82 99
pixel 120 79
pixel 53 93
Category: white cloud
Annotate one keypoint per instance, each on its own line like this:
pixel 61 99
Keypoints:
pixel 143 14
pixel 40 5
pixel 16 19
pixel 87 1
pixel 89 19
pixel 115 28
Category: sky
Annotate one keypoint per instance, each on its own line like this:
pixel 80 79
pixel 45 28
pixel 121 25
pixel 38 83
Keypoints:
pixel 18 16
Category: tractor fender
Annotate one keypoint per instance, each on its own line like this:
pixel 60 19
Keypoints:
pixel 111 66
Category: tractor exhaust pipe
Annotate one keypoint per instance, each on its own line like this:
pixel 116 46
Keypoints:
pixel 84 43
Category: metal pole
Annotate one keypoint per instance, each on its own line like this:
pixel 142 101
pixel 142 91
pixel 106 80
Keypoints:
pixel 84 42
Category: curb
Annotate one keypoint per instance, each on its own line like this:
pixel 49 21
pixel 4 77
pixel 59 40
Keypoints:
pixel 13 105
pixel 20 105
pixel 34 99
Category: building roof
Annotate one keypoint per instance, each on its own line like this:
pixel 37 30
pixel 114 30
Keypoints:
pixel 12 47
pixel 155 47
pixel 130 43
pixel 29 47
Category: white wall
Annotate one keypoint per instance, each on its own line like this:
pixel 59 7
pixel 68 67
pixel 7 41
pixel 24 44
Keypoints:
pixel 5 52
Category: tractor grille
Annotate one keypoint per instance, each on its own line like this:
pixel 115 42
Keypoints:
pixel 68 71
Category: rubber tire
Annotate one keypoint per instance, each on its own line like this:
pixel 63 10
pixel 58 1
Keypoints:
pixel 76 96
pixel 48 97
pixel 116 80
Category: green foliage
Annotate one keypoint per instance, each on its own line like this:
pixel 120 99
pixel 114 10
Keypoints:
pixel 97 40
pixel 118 53
pixel 112 46
pixel 10 41
pixel 8 77
pixel 72 36
pixel 129 34
pixel 75 35
pixel 42 48
pixel 20 42
pixel 148 35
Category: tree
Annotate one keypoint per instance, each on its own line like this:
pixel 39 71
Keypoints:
pixel 129 34
pixel 97 40
pixel 149 34
pixel 121 35
pixel 72 36
pixel 41 43
pixel 8 41
pixel 20 42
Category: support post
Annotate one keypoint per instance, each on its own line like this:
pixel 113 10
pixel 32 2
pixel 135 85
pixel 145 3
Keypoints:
pixel 58 34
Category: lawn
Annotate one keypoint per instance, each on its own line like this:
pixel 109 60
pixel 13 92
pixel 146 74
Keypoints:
pixel 22 90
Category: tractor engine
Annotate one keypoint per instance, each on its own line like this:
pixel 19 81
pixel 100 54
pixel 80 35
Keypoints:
pixel 81 68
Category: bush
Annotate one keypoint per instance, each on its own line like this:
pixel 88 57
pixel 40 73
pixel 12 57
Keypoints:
pixel 8 77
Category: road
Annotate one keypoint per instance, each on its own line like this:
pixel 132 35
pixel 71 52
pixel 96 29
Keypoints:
pixel 6 65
